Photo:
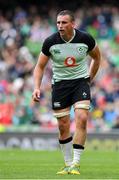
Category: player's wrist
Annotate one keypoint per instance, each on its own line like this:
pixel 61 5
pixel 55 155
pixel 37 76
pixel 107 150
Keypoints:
pixel 36 89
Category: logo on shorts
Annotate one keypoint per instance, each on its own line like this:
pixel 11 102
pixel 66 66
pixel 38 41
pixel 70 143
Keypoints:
pixel 57 104
pixel 84 94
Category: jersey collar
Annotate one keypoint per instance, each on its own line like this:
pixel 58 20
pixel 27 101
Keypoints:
pixel 74 33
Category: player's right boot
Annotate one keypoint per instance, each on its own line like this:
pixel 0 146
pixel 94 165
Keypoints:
pixel 74 169
pixel 64 170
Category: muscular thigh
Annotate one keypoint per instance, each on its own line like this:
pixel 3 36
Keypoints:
pixel 81 109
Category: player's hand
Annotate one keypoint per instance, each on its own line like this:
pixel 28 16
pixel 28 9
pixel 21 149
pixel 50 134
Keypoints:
pixel 36 95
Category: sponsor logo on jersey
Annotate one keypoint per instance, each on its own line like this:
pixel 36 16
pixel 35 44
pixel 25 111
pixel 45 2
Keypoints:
pixel 70 62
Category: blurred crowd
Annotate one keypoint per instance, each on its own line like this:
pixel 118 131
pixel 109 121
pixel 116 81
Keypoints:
pixel 22 32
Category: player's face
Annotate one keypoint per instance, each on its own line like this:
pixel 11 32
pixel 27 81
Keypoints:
pixel 65 25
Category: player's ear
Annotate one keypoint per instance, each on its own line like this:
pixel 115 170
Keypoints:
pixel 73 24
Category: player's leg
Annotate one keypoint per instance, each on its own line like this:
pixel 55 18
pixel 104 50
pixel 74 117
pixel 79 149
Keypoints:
pixel 65 138
pixel 63 119
pixel 81 115
pixel 61 103
pixel 81 103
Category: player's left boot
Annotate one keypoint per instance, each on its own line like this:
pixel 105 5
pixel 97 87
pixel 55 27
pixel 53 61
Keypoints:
pixel 64 170
pixel 74 169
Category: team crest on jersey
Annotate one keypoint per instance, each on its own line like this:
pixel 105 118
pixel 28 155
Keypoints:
pixel 82 50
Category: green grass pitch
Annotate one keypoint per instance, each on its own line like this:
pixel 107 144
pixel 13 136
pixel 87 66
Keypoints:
pixel 21 164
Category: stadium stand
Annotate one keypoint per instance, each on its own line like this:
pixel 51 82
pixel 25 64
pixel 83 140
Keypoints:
pixel 23 27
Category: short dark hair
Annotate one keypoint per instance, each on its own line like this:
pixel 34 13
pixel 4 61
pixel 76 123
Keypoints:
pixel 67 12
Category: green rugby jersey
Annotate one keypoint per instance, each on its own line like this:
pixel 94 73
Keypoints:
pixel 69 58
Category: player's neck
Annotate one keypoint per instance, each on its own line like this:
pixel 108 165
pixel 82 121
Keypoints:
pixel 69 37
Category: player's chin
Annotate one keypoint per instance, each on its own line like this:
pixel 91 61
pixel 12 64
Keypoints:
pixel 61 32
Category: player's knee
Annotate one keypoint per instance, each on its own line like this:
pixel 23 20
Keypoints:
pixel 81 114
pixel 83 124
pixel 81 120
pixel 83 117
pixel 64 126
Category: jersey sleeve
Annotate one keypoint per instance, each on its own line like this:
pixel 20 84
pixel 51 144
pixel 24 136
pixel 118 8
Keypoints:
pixel 90 41
pixel 46 47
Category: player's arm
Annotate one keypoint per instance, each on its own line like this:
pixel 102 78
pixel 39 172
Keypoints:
pixel 38 74
pixel 95 62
